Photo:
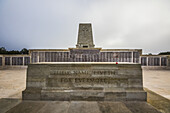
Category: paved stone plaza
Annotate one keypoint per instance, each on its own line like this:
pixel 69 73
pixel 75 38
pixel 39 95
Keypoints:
pixel 84 79
pixel 158 81
pixel 13 82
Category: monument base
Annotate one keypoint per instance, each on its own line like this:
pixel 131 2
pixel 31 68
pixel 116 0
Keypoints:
pixel 84 82
pixel 85 95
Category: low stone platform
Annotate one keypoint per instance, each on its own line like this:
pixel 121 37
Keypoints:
pixel 87 81
pixel 151 78
pixel 82 107
pixel 158 103
pixel 92 95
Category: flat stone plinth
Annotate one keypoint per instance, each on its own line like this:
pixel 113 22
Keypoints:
pixel 84 82
pixel 82 107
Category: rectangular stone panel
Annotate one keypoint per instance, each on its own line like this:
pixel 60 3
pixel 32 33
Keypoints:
pixel 17 60
pixel 163 61
pixel 84 81
pixel 26 60
pixel 0 61
pixel 7 60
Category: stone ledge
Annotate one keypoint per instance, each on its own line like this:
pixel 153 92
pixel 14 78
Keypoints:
pixel 86 95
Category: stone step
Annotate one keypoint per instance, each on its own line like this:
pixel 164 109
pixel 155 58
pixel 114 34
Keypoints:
pixel 82 107
pixel 92 95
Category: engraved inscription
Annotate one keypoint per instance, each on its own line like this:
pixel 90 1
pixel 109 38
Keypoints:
pixel 90 80
pixel 104 72
pixel 68 72
pixel 68 82
pixel 86 72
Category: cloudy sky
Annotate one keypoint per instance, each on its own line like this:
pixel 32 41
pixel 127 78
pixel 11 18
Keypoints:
pixel 128 24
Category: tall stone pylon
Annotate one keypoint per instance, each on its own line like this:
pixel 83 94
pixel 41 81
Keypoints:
pixel 85 36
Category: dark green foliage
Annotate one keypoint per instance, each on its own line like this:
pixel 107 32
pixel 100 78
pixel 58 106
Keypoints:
pixel 4 51
pixel 24 51
pixel 164 53
pixel 13 52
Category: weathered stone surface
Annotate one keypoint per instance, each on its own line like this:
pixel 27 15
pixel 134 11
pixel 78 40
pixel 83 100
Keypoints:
pixel 113 107
pixel 158 101
pixel 27 107
pixel 31 94
pixel 8 81
pixel 84 81
pixel 6 104
pixel 137 107
pixel 85 36
pixel 82 107
pixel 55 107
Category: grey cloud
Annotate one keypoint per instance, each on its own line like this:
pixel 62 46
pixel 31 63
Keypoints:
pixel 116 23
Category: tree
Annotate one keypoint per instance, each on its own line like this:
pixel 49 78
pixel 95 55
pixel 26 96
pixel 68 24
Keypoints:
pixel 164 53
pixel 3 50
pixel 24 51
pixel 14 52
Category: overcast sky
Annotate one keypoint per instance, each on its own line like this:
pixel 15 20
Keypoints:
pixel 35 24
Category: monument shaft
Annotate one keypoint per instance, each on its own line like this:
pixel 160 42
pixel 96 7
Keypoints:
pixel 85 36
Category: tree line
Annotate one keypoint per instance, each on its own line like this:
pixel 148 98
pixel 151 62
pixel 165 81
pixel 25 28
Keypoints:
pixel 164 53
pixel 4 51
pixel 25 51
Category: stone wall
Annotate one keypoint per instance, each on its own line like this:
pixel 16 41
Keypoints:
pixel 14 60
pixel 85 55
pixel 84 81
pixel 0 61
pixel 154 60
pixel 168 61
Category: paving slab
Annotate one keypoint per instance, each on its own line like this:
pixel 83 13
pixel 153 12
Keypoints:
pixel 6 104
pixel 140 107
pixel 55 107
pixel 28 107
pixel 158 101
pixel 113 107
pixel 82 107
pixel 12 82
pixel 157 81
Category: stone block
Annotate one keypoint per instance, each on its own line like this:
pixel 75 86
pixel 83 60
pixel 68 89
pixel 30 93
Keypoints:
pixel 136 96
pixel 31 94
pixel 55 95
pixel 36 82
pixel 115 96
pixel 84 81
pixel 87 95
pixel 38 70
pixel 135 83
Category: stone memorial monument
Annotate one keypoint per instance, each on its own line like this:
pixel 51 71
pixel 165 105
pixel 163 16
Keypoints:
pixel 87 79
